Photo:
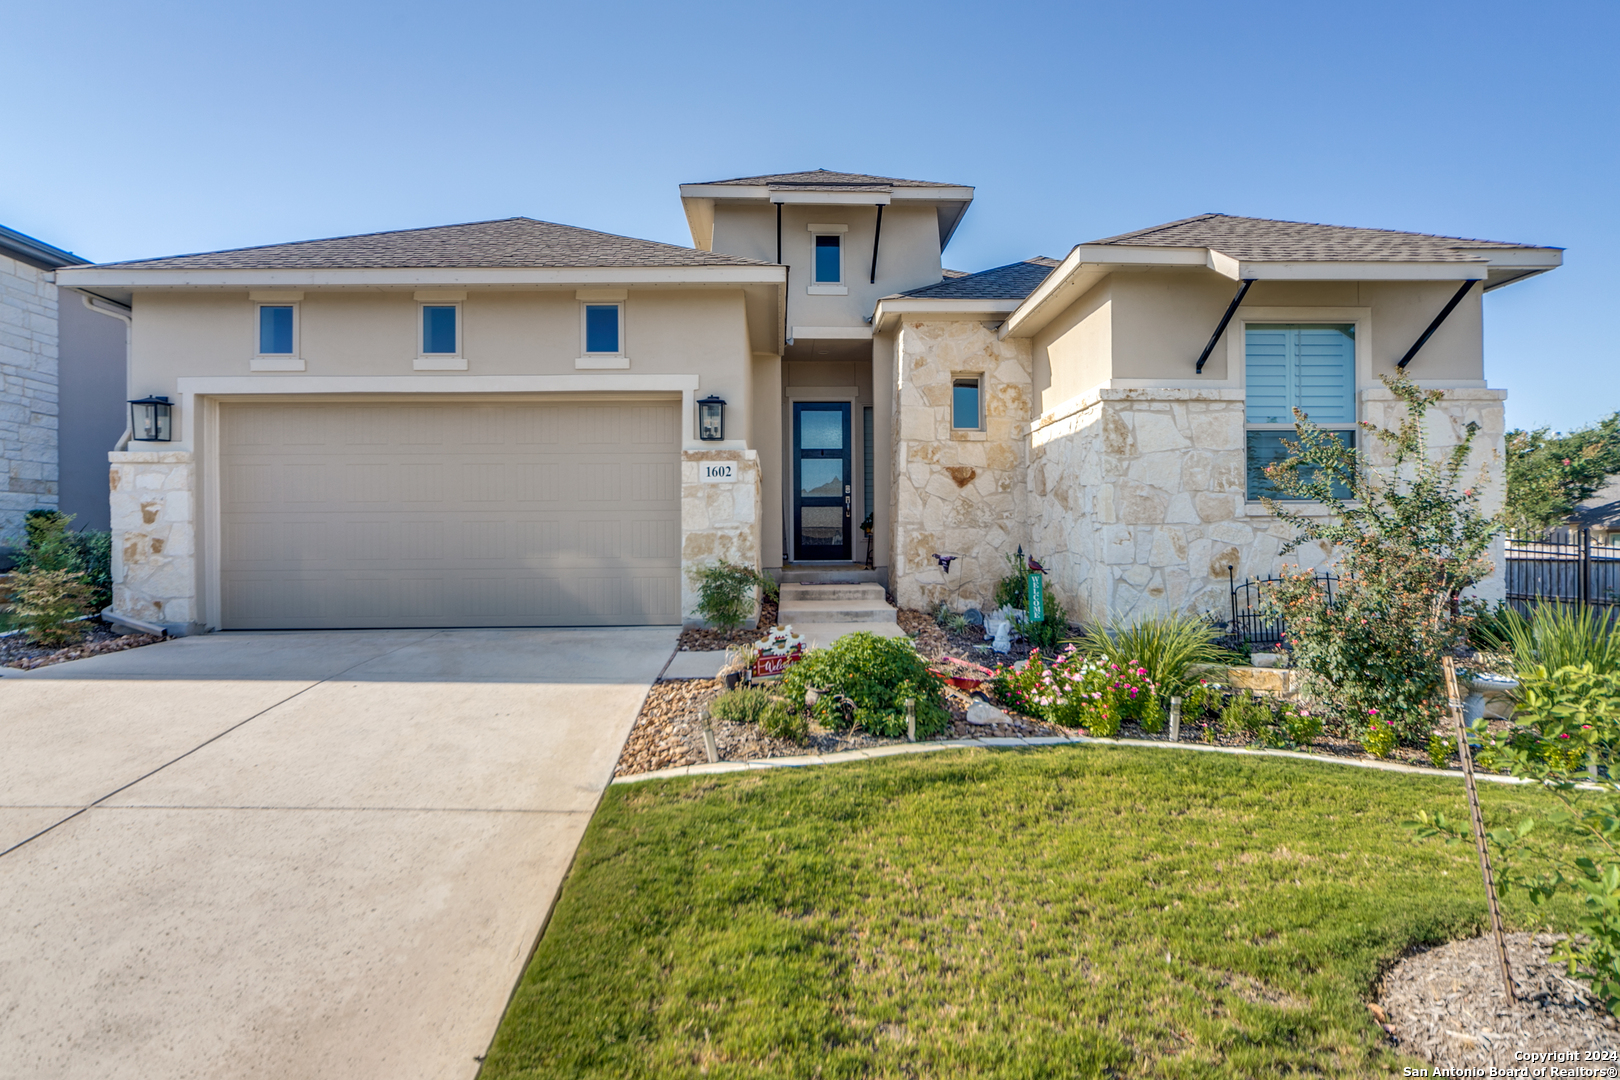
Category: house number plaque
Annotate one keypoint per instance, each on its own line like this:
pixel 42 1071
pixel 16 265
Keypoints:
pixel 718 472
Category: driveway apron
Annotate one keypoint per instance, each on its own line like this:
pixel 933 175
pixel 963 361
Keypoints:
pixel 294 855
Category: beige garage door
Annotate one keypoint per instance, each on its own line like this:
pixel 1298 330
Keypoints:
pixel 531 513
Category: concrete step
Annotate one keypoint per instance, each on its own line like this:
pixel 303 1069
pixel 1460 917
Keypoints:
pixel 837 575
pixel 820 635
pixel 829 611
pixel 860 591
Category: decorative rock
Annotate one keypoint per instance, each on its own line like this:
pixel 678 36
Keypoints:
pixel 973 616
pixel 983 714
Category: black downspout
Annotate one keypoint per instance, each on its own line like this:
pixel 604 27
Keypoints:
pixel 876 234
pixel 778 232
pixel 1231 309
pixel 1438 319
pixel 787 273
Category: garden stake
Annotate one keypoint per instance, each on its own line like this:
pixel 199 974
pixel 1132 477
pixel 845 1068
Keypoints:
pixel 1466 754
pixel 911 719
pixel 1175 719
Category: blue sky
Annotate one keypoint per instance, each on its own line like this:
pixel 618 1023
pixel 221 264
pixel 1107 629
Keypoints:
pixel 140 129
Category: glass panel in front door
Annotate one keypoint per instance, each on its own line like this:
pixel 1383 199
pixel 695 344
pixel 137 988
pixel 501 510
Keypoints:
pixel 822 481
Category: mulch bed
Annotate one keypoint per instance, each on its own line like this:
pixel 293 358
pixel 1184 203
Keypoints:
pixel 693 639
pixel 669 730
pixel 1446 1005
pixel 17 652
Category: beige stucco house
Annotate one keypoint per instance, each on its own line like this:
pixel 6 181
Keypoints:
pixel 498 423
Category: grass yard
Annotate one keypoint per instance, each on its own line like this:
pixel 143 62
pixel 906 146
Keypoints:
pixel 1077 911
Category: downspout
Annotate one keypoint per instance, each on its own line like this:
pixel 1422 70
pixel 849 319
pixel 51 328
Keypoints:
pixel 1438 319
pixel 877 234
pixel 124 316
pixel 787 279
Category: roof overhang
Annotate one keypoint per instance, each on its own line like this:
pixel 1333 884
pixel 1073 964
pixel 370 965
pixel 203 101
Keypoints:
pixel 401 277
pixel 699 200
pixel 892 309
pixel 1088 264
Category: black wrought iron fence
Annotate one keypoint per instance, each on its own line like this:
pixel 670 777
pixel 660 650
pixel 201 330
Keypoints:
pixel 1250 624
pixel 1562 566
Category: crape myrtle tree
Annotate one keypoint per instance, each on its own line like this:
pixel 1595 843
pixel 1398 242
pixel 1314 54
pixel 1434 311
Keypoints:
pixel 1408 536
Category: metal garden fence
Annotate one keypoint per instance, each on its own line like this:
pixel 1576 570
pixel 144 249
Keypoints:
pixel 1562 566
pixel 1250 625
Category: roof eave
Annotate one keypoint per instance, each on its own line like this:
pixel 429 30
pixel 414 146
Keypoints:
pixel 891 309
pixel 179 278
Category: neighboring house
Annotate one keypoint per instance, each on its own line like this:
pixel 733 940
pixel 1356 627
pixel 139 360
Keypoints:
pixel 62 403
pixel 499 423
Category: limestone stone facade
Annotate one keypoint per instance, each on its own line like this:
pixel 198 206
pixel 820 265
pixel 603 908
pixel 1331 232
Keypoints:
pixel 154 553
pixel 719 521
pixel 957 492
pixel 28 393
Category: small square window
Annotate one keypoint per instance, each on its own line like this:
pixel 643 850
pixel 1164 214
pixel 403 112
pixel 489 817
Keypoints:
pixel 439 330
pixel 965 406
pixel 829 259
pixel 275 330
pixel 602 329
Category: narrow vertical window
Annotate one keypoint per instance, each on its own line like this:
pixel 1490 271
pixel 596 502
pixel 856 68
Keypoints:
pixel 602 328
pixel 275 330
pixel 439 330
pixel 829 259
pixel 966 412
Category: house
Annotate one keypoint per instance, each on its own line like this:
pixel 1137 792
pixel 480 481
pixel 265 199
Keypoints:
pixel 522 423
pixel 62 403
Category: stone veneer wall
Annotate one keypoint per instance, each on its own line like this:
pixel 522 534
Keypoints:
pixel 154 551
pixel 28 394
pixel 956 492
pixel 718 521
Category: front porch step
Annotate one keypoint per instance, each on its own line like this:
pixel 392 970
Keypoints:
pixel 829 611
pixel 869 592
pixel 836 574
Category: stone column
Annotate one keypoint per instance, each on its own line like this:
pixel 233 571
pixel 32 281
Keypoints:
pixel 154 538
pixel 720 521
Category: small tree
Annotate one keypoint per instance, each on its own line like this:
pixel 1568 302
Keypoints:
pixel 1548 474
pixel 48 589
pixel 1409 537
pixel 726 592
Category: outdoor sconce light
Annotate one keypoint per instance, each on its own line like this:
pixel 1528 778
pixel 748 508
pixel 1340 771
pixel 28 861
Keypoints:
pixel 712 419
pixel 151 419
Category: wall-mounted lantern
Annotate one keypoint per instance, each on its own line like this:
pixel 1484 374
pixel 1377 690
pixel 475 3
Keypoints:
pixel 151 420
pixel 712 419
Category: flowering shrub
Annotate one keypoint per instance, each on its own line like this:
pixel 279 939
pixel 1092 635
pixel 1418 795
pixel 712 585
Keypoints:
pixel 1282 724
pixel 1073 690
pixel 1409 538
pixel 1379 736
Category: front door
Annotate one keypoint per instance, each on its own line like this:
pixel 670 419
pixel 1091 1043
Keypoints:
pixel 821 491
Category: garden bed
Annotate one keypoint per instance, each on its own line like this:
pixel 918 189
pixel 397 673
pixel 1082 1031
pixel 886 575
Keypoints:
pixel 668 732
pixel 696 639
pixel 16 651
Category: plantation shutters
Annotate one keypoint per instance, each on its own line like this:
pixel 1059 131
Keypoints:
pixel 1290 366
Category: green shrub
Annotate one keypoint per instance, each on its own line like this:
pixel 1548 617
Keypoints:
pixel 47 604
pixel 1166 646
pixel 726 592
pixel 1053 628
pixel 878 674
pixel 1549 475
pixel 1410 535
pixel 1012 590
pixel 1379 737
pixel 953 621
pixel 1282 725
pixel 1300 726
pixel 1440 750
pixel 95 556
pixel 1244 715
pixel 781 722
pixel 757 705
pixel 1555 636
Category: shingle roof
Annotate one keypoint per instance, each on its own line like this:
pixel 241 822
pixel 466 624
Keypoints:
pixel 1011 282
pixel 1262 239
pixel 822 178
pixel 510 242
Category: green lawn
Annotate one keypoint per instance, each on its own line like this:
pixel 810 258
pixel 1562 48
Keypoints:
pixel 1078 911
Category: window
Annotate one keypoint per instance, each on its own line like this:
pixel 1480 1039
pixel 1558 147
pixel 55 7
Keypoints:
pixel 602 329
pixel 1290 366
pixel 440 335
pixel 276 329
pixel 829 259
pixel 965 410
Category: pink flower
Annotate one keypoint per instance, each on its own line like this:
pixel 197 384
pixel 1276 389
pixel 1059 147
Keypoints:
pixel 1372 712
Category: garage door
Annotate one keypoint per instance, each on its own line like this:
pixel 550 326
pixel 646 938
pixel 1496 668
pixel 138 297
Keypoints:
pixel 529 513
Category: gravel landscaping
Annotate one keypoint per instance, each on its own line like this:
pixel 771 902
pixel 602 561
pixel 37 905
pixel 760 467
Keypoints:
pixel 17 652
pixel 1446 1005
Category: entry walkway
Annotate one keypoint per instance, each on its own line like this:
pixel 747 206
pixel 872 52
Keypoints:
pixel 294 855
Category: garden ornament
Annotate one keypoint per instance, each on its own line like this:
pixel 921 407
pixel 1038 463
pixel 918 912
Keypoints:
pixel 945 561
pixel 1036 567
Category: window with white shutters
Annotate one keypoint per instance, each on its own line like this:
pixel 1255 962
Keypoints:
pixel 1288 366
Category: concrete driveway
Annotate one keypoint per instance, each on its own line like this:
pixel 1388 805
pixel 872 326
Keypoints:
pixel 294 855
